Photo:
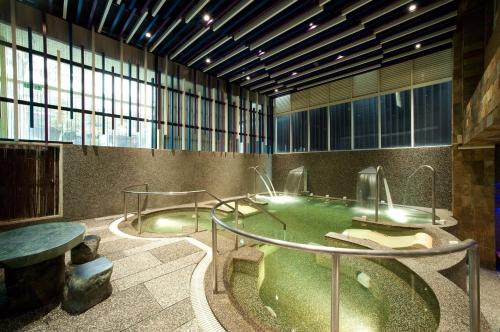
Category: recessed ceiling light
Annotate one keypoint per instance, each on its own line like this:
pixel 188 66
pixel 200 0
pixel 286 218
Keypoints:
pixel 294 73
pixel 207 60
pixel 148 34
pixel 206 18
pixel 340 56
pixel 247 78
pixel 412 8
pixel 276 90
pixel 210 21
pixel 417 46
pixel 312 26
pixel 261 52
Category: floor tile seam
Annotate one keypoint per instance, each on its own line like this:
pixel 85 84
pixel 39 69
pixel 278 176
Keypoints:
pixel 160 311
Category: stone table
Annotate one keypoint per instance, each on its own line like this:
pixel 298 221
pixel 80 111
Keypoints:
pixel 33 258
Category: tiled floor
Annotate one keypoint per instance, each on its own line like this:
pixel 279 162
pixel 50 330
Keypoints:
pixel 151 289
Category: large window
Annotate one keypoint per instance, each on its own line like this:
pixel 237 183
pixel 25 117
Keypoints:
pixel 283 133
pixel 299 132
pixel 118 104
pixel 365 123
pixel 433 114
pixel 319 129
pixel 340 127
pixel 395 118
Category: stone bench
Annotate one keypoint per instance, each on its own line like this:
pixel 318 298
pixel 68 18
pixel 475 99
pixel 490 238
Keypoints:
pixel 87 285
pixel 85 251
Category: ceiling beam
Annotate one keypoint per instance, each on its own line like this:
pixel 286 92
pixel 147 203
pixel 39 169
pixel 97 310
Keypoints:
pixel 415 51
pixel 261 85
pixel 219 23
pixel 189 42
pixel 384 11
pixel 316 46
pixel 336 51
pixel 65 9
pixel 419 27
pixel 195 10
pixel 282 29
pixel 255 79
pixel 419 39
pixel 355 6
pixel 336 78
pixel 311 33
pixel 238 65
pixel 165 34
pixel 136 26
pixel 225 58
pixel 332 63
pixel 337 70
pixel 266 16
pixel 247 72
pixel 157 7
pixel 411 16
pixel 104 15
pixel 210 50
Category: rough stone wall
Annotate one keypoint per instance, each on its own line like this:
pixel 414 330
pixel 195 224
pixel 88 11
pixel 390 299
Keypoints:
pixel 93 177
pixel 335 173
pixel 473 170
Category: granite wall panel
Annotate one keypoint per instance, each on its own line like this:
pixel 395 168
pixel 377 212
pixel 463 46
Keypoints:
pixel 335 173
pixel 93 177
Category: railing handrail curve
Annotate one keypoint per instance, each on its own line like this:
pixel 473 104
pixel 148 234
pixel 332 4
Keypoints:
pixel 387 253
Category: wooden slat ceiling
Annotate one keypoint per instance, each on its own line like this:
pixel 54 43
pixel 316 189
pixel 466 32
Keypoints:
pixel 271 46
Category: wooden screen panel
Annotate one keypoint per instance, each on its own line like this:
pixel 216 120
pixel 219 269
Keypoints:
pixel 29 185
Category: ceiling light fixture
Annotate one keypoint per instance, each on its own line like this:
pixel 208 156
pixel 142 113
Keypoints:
pixel 261 52
pixel 412 8
pixel 294 73
pixel 247 78
pixel 417 46
pixel 340 56
pixel 207 60
pixel 276 90
pixel 206 18
pixel 148 34
pixel 312 26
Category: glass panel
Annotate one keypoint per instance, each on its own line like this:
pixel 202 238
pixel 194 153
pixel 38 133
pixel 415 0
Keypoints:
pixel 299 131
pixel 340 127
pixel 395 116
pixel 365 123
pixel 319 129
pixel 283 133
pixel 433 114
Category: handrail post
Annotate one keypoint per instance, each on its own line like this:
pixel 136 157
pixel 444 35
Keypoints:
pixel 433 196
pixel 377 193
pixel 473 273
pixel 236 240
pixel 139 221
pixel 214 256
pixel 196 211
pixel 124 206
pixel 335 301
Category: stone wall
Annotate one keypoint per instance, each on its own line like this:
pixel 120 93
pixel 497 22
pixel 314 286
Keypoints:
pixel 473 170
pixel 93 177
pixel 335 173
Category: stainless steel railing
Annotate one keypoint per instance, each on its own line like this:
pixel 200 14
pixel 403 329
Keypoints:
pixel 433 185
pixel 470 246
pixel 195 193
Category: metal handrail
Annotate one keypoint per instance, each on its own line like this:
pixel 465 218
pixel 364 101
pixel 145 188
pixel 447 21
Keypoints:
pixel 433 184
pixel 261 209
pixel 470 246
pixel 165 193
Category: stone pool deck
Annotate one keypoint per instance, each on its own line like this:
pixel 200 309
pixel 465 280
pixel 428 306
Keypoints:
pixel 151 290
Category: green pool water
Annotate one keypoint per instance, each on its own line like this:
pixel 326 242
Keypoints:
pixel 295 286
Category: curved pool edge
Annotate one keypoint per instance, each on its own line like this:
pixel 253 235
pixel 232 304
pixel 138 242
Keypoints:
pixel 202 310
